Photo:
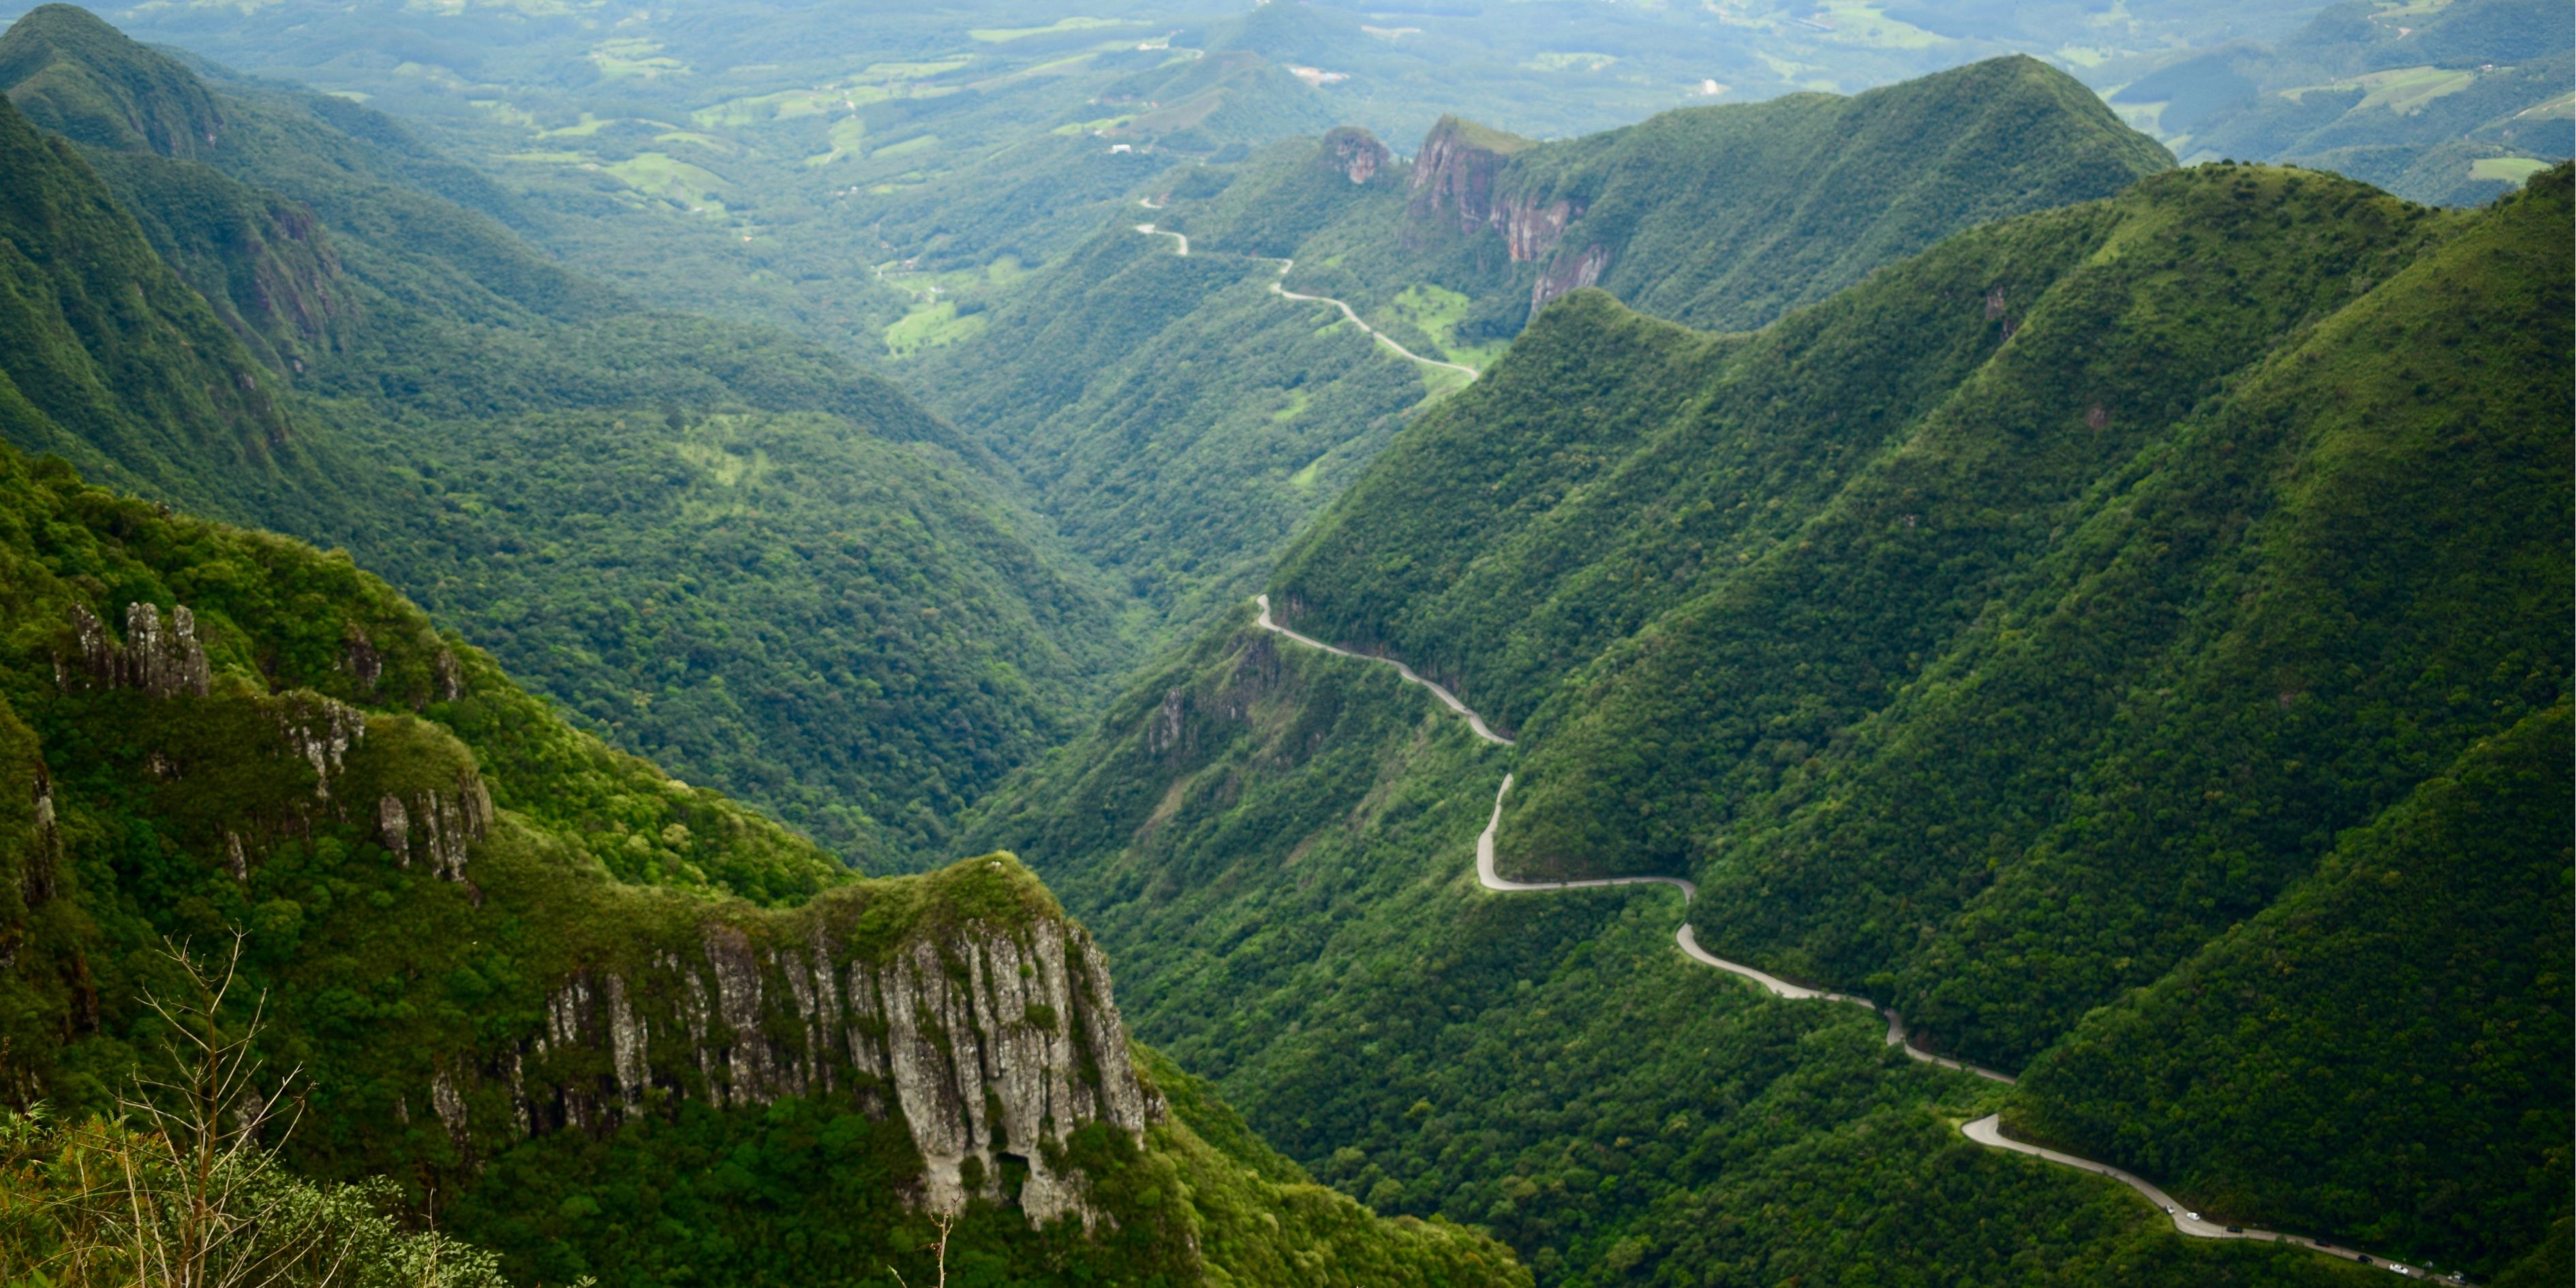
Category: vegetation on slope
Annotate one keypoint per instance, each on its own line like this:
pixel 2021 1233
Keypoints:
pixel 216 771
pixel 734 551
pixel 1180 420
pixel 1280 847
pixel 1996 635
pixel 2284 1069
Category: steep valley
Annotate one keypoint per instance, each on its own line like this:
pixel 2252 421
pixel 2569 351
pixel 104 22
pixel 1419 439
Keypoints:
pixel 1497 651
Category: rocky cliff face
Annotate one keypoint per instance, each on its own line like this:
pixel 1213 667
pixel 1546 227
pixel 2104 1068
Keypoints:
pixel 1355 154
pixel 1569 272
pixel 994 1038
pixel 1463 180
pixel 162 659
pixel 1453 176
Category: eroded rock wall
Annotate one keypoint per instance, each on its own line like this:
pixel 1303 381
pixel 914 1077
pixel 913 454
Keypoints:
pixel 993 1041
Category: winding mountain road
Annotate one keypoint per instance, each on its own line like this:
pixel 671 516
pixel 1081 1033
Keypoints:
pixel 1987 1131
pixel 1280 288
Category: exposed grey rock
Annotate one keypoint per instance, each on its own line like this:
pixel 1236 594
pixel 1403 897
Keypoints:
pixel 627 1042
pixel 447 675
pixel 450 1105
pixel 448 822
pixel 162 661
pixel 393 828
pixel 320 730
pixel 993 1042
pixel 359 658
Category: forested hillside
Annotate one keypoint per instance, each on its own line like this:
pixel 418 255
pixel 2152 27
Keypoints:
pixel 1180 419
pixel 1992 639
pixel 1728 216
pixel 1279 846
pixel 730 549
pixel 546 988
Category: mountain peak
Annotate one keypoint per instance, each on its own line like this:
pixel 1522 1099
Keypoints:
pixel 76 75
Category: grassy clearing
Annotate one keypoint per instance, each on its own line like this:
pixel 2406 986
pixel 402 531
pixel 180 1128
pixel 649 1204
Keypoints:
pixel 1865 24
pixel 1099 125
pixel 1580 62
pixel 917 143
pixel 2403 90
pixel 707 141
pixel 1004 35
pixel 634 56
pixel 661 175
pixel 928 326
pixel 2513 170
pixel 846 136
pixel 1436 312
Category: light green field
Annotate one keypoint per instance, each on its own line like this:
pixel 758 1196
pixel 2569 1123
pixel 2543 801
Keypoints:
pixel 788 105
pixel 928 326
pixel 1436 311
pixel 892 72
pixel 658 174
pixel 1864 24
pixel 634 56
pixel 1296 407
pixel 1304 480
pixel 707 141
pixel 845 135
pixel 2513 170
pixel 2563 105
pixel 1101 125
pixel 1002 35
pixel 2403 90
pixel 1580 62
pixel 916 144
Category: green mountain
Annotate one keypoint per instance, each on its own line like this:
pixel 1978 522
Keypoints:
pixel 726 548
pixel 2080 617
pixel 1723 216
pixel 600 1022
pixel 1179 417
pixel 2453 102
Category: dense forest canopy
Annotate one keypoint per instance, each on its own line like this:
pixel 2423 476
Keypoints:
pixel 2052 519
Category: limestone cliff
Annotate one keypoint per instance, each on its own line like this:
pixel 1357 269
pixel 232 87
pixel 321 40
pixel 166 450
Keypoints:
pixel 1355 154
pixel 1464 181
pixel 993 1037
pixel 1454 174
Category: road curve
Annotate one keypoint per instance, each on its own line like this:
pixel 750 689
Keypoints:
pixel 1447 699
pixel 1151 231
pixel 1986 1131
pixel 1280 288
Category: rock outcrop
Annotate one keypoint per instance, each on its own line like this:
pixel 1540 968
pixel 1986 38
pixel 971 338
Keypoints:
pixel 161 659
pixel 444 821
pixel 1455 172
pixel 994 1040
pixel 1354 153
pixel 1569 273
pixel 1463 180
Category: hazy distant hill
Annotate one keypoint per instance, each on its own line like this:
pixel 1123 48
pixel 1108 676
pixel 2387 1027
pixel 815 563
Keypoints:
pixel 2451 103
